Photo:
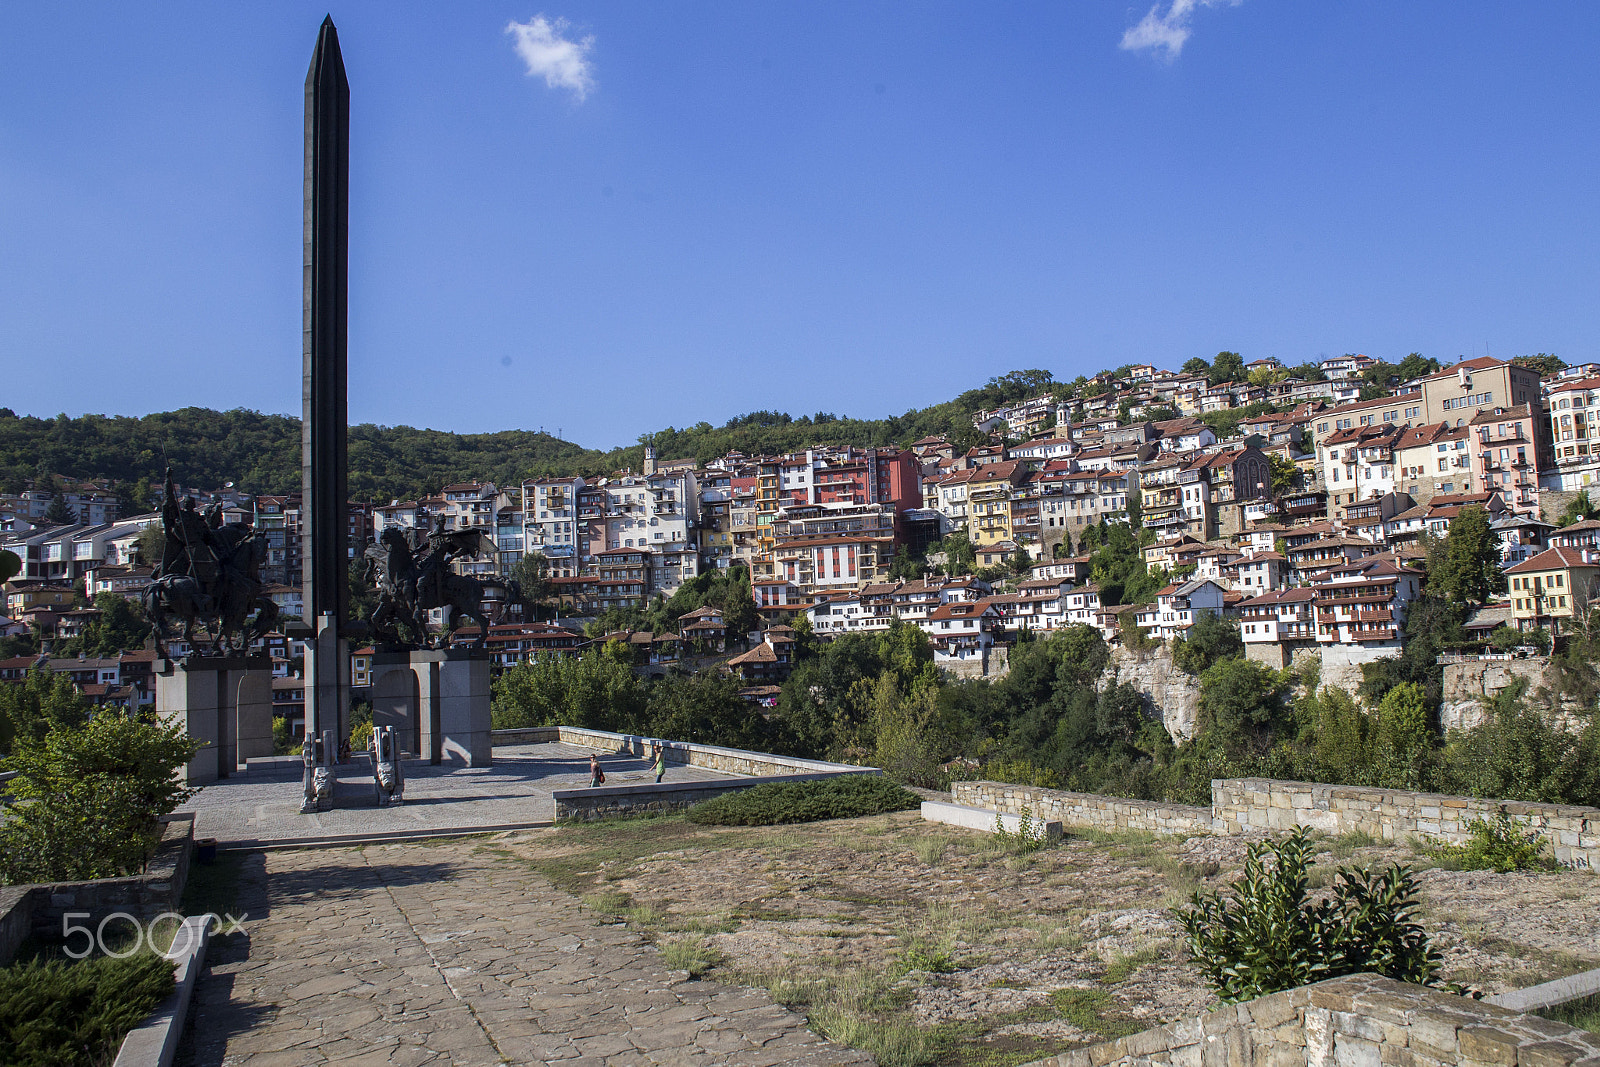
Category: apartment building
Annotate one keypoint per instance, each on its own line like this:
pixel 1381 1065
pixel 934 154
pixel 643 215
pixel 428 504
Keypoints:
pixel 1363 602
pixel 1554 589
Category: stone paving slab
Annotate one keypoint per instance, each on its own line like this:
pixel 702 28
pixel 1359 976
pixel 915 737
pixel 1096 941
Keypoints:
pixel 259 808
pixel 455 953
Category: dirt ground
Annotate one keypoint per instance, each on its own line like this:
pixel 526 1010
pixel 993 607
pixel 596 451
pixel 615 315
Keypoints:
pixel 923 943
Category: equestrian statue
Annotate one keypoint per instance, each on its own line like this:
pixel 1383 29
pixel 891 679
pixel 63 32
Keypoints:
pixel 209 574
pixel 412 573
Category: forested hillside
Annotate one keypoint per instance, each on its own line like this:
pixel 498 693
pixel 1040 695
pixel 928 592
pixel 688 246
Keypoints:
pixel 261 453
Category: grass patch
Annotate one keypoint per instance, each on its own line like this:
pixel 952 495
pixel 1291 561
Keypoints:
pixel 1088 1010
pixel 859 1010
pixel 62 1013
pixel 1122 967
pixel 1584 1013
pixel 848 796
pixel 1347 842
pixel 690 954
pixel 578 856
pixel 930 850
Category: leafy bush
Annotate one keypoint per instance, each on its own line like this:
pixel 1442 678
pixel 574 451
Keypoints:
pixel 1503 845
pixel 57 1014
pixel 1029 837
pixel 1268 937
pixel 87 798
pixel 847 796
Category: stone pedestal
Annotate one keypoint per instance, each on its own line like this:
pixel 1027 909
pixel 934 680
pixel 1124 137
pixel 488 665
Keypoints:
pixel 224 702
pixel 438 703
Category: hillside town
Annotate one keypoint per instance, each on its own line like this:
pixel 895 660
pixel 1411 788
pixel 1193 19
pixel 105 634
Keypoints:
pixel 1305 521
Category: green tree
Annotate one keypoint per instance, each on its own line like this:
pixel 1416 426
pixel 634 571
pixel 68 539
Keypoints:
pixel 1578 510
pixel 597 690
pixel 151 545
pixel 1543 362
pixel 120 627
pixel 1196 365
pixel 1241 701
pixel 739 612
pixel 1227 367
pixel 1285 475
pixel 86 798
pixel 705 708
pixel 59 513
pixel 11 564
pixel 1415 366
pixel 1466 567
pixel 1210 640
pixel 45 701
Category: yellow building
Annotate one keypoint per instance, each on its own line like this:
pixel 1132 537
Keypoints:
pixel 989 501
pixel 1553 588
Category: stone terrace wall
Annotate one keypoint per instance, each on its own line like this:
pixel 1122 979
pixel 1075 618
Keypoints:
pixel 711 757
pixel 38 909
pixel 1241 805
pixel 1355 1021
pixel 1084 810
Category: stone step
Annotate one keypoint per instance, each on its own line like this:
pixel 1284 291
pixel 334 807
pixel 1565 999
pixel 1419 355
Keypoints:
pixel 983 819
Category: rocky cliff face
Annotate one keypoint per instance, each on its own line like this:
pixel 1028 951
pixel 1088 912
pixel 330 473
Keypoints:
pixel 1468 688
pixel 1173 695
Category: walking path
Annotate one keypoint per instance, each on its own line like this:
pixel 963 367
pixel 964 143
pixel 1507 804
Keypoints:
pixel 455 953
pixel 262 807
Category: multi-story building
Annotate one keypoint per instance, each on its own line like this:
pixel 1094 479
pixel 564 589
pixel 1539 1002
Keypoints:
pixel 552 525
pixel 1363 602
pixel 1573 417
pixel 1179 606
pixel 1504 453
pixel 622 578
pixel 1281 616
pixel 1554 588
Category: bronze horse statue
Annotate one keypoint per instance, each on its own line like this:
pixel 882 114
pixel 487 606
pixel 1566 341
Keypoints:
pixel 412 581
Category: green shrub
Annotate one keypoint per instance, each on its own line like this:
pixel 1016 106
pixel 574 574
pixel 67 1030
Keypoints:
pixel 1268 937
pixel 847 796
pixel 86 799
pixel 1503 845
pixel 58 1014
pixel 1029 836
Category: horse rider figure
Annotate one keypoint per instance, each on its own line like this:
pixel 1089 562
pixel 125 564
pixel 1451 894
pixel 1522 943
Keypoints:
pixel 191 547
pixel 434 561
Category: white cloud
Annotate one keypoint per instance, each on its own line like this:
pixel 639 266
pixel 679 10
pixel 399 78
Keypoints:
pixel 1168 31
pixel 562 63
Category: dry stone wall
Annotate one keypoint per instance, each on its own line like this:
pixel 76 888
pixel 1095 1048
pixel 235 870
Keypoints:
pixel 1259 805
pixel 1354 1021
pixel 1242 805
pixel 1083 810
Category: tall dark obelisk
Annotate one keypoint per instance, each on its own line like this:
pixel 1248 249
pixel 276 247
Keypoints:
pixel 324 447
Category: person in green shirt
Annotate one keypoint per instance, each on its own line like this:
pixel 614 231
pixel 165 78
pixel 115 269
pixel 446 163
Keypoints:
pixel 661 761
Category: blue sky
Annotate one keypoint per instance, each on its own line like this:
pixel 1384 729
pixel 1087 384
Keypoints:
pixel 688 211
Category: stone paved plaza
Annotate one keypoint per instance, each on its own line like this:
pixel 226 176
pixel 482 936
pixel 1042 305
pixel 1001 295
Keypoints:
pixel 263 807
pixel 456 953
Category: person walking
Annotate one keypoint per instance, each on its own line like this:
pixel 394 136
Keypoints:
pixel 661 761
pixel 597 777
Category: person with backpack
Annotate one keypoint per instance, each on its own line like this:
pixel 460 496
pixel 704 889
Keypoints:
pixel 597 777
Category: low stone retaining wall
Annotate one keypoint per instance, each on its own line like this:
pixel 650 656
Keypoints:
pixel 1355 1021
pixel 711 757
pixel 1085 811
pixel 604 802
pixel 39 909
pixel 1240 805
